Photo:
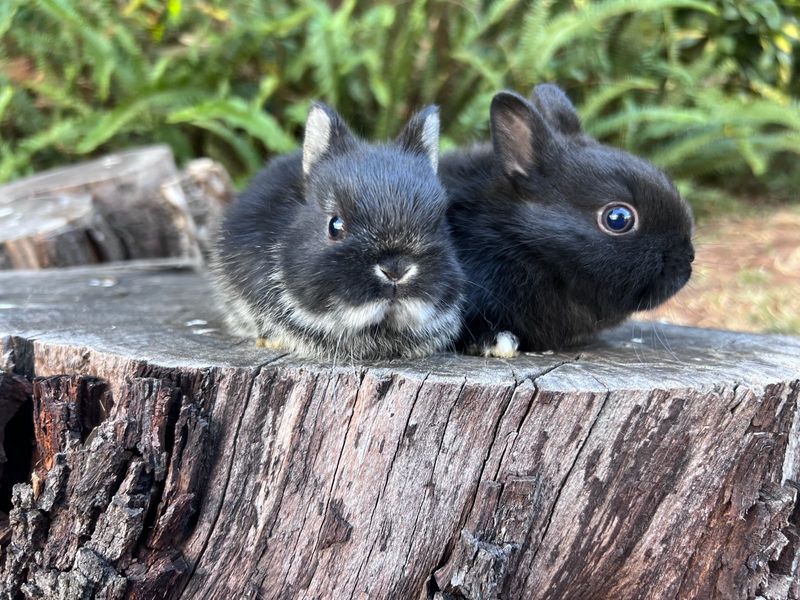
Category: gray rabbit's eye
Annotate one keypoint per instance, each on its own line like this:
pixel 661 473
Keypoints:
pixel 617 218
pixel 336 228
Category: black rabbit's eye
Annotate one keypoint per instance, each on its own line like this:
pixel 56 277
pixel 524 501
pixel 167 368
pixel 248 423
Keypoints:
pixel 336 228
pixel 617 218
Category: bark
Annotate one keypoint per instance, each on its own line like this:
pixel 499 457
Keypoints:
pixel 15 418
pixel 172 461
pixel 124 206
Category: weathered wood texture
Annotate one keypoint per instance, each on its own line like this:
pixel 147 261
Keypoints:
pixel 59 230
pixel 208 190
pixel 15 394
pixel 175 462
pixel 123 206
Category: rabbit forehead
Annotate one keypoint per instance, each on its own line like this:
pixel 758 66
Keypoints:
pixel 382 168
pixel 379 183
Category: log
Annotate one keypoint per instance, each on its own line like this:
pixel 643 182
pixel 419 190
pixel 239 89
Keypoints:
pixel 59 230
pixel 173 461
pixel 137 194
pixel 208 190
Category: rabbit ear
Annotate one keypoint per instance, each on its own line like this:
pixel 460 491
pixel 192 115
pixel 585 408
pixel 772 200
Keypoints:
pixel 325 132
pixel 421 135
pixel 519 133
pixel 556 108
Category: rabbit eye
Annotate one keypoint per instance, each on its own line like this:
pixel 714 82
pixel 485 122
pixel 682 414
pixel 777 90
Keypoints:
pixel 617 218
pixel 336 228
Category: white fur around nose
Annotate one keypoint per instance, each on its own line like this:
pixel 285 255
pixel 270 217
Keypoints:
pixel 317 138
pixel 408 275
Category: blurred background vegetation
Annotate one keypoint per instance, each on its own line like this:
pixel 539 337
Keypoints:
pixel 707 89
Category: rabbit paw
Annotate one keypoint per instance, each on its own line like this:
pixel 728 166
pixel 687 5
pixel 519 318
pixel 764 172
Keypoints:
pixel 506 345
pixel 268 344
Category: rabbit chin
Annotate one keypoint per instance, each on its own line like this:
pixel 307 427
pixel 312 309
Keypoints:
pixel 662 289
pixel 411 313
pixel 400 314
pixel 341 318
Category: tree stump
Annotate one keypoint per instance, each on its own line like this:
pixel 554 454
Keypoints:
pixel 173 461
pixel 16 421
pixel 137 194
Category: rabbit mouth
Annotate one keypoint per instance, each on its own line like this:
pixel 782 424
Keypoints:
pixel 666 285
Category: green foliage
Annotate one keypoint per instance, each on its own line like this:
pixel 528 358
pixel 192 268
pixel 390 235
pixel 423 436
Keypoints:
pixel 705 88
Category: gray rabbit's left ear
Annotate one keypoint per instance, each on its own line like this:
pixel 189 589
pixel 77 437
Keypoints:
pixel 421 135
pixel 557 108
pixel 325 134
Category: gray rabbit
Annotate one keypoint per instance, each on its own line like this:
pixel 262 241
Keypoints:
pixel 343 249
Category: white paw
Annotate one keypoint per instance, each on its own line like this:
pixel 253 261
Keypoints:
pixel 506 345
pixel 269 343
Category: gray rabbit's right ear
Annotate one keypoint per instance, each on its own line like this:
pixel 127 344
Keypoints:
pixel 325 133
pixel 421 135
pixel 519 133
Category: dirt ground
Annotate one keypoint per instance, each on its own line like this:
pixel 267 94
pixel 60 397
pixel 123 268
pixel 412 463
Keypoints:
pixel 746 275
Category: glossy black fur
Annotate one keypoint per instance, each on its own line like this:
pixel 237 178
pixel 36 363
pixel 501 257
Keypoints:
pixel 276 261
pixel 536 262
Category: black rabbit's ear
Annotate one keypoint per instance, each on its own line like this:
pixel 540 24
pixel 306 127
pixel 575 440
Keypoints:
pixel 326 132
pixel 519 133
pixel 556 108
pixel 421 135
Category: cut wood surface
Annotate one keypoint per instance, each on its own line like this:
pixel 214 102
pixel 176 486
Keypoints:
pixel 137 194
pixel 173 461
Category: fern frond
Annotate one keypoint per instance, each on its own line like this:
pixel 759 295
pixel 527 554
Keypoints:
pixel 673 116
pixel 542 40
pixel 594 103
pixel 237 113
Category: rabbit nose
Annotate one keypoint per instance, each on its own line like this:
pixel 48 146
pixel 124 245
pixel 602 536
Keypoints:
pixel 395 269
pixel 689 250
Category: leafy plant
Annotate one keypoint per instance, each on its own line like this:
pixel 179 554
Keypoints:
pixel 707 89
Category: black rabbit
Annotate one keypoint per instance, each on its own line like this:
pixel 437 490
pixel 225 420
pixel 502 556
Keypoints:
pixel 343 249
pixel 559 236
